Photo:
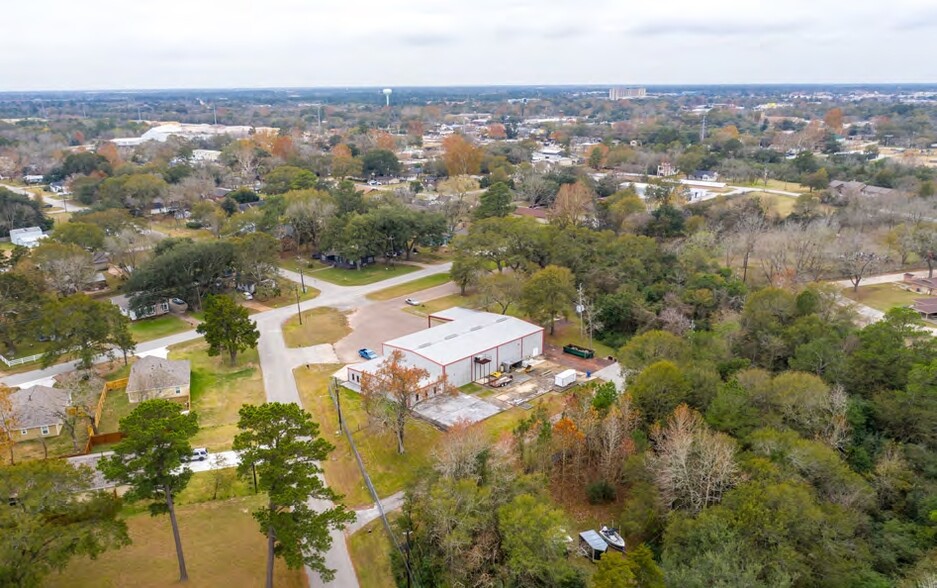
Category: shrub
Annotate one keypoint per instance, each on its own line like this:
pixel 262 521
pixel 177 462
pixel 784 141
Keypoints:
pixel 600 492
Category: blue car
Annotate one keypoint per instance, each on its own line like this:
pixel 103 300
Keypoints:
pixel 367 353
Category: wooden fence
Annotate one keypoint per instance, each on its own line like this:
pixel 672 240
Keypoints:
pixel 102 438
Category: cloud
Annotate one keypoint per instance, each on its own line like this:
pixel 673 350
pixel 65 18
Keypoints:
pixel 714 28
pixel 427 40
pixel 925 19
pixel 568 31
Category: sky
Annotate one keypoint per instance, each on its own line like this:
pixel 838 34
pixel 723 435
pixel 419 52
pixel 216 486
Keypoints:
pixel 116 44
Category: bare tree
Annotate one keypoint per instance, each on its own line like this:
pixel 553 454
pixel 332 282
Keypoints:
pixel 748 230
pixel 84 389
pixel 457 455
pixel 129 248
pixel 693 466
pixel 857 257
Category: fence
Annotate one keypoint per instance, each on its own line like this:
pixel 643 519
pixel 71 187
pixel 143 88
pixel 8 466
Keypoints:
pixel 19 360
pixel 100 439
pixel 333 393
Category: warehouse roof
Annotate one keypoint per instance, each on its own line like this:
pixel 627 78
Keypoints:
pixel 470 332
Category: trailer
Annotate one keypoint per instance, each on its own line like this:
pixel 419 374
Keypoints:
pixel 501 381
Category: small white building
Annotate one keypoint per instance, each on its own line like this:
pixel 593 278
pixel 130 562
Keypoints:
pixel 462 345
pixel 205 155
pixel 27 236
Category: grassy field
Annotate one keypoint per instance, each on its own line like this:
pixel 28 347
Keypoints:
pixel 294 262
pixel 370 553
pixel 366 275
pixel 287 296
pixel 410 287
pixel 156 327
pixel 219 390
pixel 222 542
pixel 175 228
pixel 389 471
pixel 320 325
pixel 437 304
pixel 441 255
pixel 782 206
pixel 569 333
pixel 882 297
pixel 775 185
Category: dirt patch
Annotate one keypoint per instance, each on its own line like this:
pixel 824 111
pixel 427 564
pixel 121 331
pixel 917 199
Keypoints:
pixel 556 355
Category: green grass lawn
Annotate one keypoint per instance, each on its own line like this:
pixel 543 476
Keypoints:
pixel 428 307
pixel 410 287
pixel 389 470
pixel 116 407
pixel 882 297
pixel 428 256
pixel 222 542
pixel 366 275
pixel 320 325
pixel 471 388
pixel 288 290
pixel 369 549
pixel 156 327
pixel 294 262
pixel 219 390
pixel 774 185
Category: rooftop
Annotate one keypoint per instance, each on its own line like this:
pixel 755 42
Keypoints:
pixel 39 406
pixel 467 333
pixel 153 373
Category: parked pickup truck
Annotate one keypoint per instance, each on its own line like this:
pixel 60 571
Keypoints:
pixel 367 353
pixel 583 352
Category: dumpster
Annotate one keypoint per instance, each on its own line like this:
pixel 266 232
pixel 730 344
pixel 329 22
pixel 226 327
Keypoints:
pixel 583 352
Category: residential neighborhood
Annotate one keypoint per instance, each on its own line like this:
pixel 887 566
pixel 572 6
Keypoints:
pixel 492 309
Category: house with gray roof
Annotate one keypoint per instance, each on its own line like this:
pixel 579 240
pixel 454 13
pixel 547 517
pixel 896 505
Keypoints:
pixel 37 412
pixel 155 377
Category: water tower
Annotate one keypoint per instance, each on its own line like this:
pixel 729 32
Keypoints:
pixel 387 92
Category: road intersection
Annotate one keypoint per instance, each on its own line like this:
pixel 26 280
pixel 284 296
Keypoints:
pixel 277 362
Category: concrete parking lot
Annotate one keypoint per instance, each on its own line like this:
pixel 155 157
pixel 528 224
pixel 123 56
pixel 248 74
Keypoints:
pixel 375 323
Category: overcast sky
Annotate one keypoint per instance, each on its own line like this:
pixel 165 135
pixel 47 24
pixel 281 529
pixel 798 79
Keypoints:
pixel 121 44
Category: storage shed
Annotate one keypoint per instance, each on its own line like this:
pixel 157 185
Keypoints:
pixel 592 545
pixel 564 378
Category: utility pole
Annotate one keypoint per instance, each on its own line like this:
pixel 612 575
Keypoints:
pixel 335 390
pixel 702 131
pixel 580 310
pixel 214 110
pixel 299 311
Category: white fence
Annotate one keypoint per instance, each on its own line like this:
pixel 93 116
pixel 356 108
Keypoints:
pixel 20 360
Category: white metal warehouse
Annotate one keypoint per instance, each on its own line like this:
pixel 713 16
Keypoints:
pixel 464 346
